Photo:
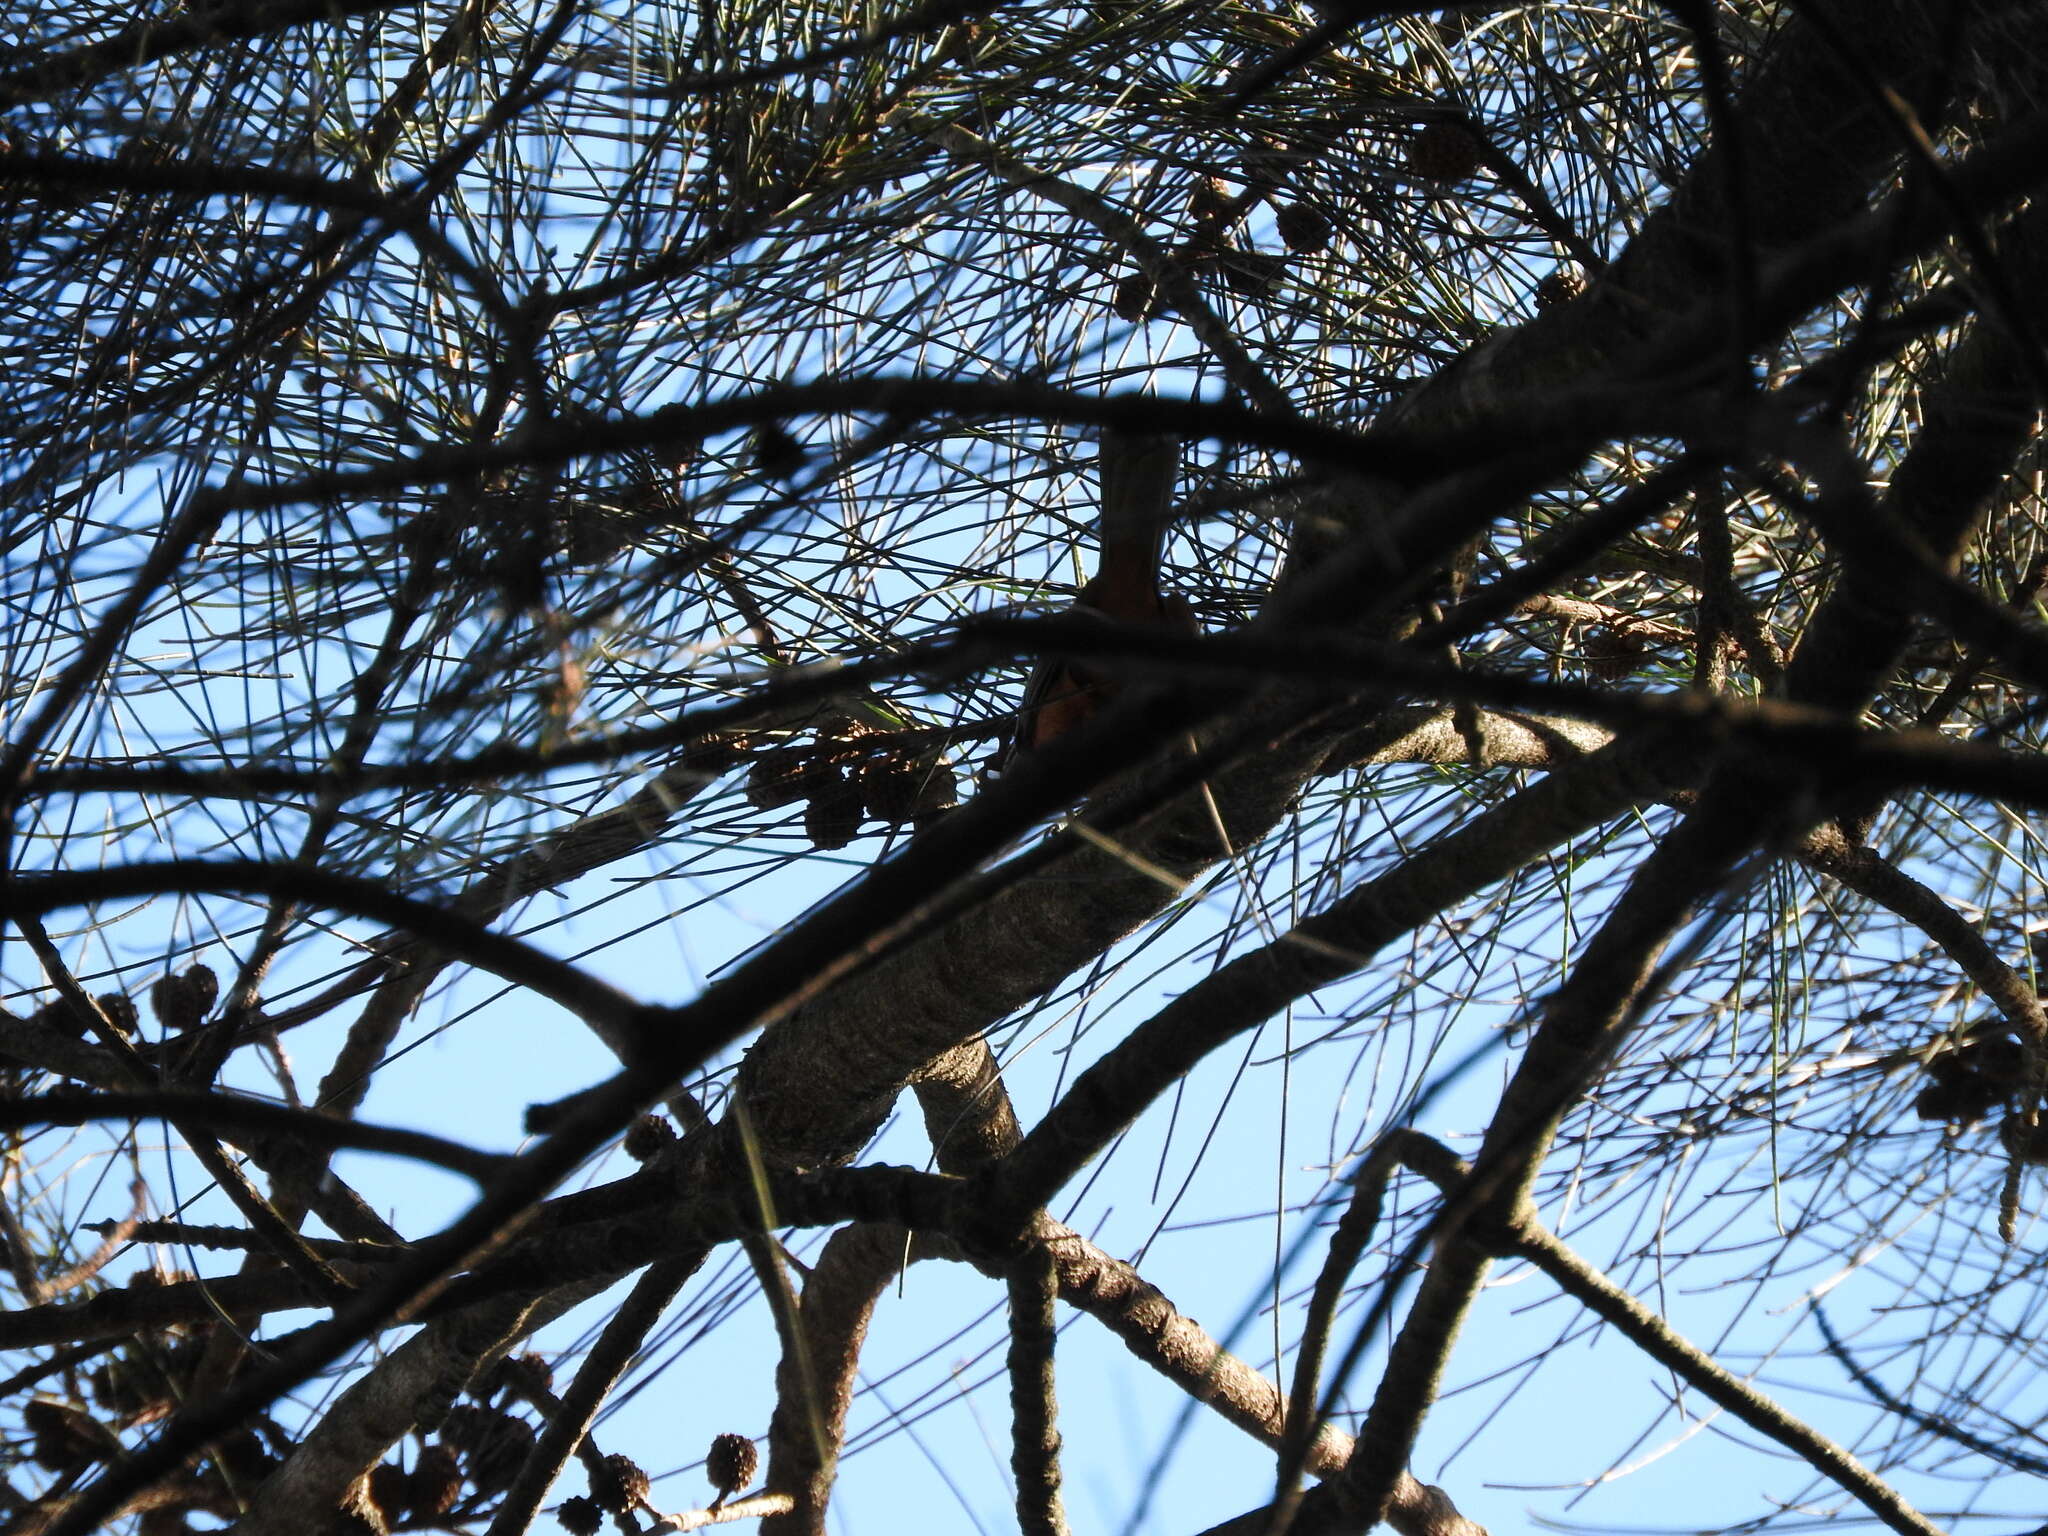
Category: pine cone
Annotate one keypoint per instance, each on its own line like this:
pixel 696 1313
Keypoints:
pixel 619 1485
pixel 465 1427
pixel 495 1462
pixel 731 1465
pixel 832 818
pixel 120 1011
pixel 528 1374
pixel 1305 230
pixel 888 788
pixel 1135 298
pixel 390 1490
pixel 1560 287
pixel 1252 274
pixel 938 791
pixel 1210 202
pixel 436 1482
pixel 716 753
pixel 579 1516
pixel 1444 152
pixel 777 779
pixel 647 1136
pixel 181 1003
pixel 777 454
pixel 1612 652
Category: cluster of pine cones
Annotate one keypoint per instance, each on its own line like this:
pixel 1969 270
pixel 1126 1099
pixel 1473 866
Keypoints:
pixel 848 773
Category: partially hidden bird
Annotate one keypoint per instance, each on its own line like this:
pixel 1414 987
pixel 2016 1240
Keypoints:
pixel 1138 473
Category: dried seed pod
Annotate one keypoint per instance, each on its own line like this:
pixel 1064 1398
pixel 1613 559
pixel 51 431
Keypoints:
pixel 436 1483
pixel 777 779
pixel 1560 287
pixel 1136 296
pixel 1444 152
pixel 390 1490
pixel 731 1465
pixel 647 1136
pixel 618 1484
pixel 832 819
pixel 1304 229
pixel 579 1516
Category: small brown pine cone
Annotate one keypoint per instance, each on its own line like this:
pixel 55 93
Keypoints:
pixel 1252 274
pixel 202 988
pixel 495 1462
pixel 180 1003
pixel 1612 652
pixel 888 788
pixel 718 752
pixel 776 453
pixel 731 1464
pixel 120 1011
pixel 59 1015
pixel 647 1136
pixel 579 1516
pixel 527 1375
pixel 436 1483
pixel 938 789
pixel 1445 153
pixel 1560 287
pixel 1210 202
pixel 832 818
pixel 464 1427
pixel 390 1490
pixel 619 1484
pixel 1136 296
pixel 777 779
pixel 1304 229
